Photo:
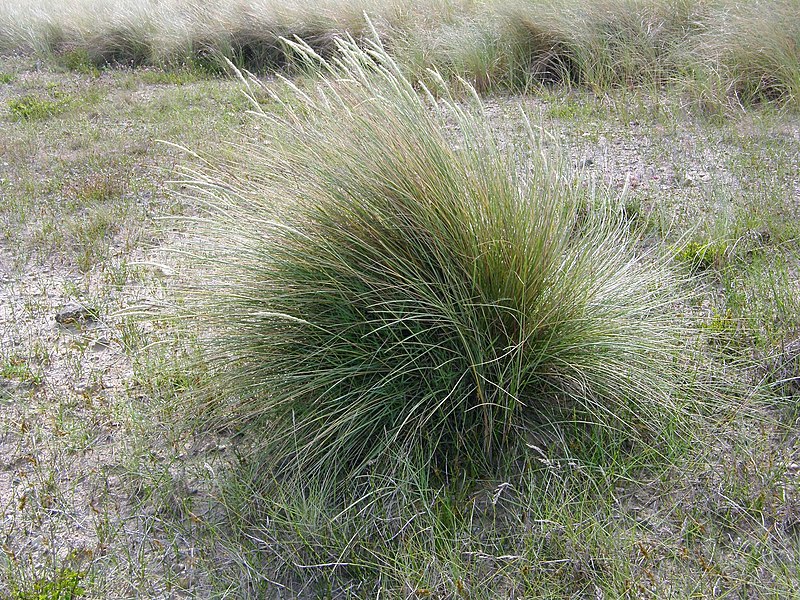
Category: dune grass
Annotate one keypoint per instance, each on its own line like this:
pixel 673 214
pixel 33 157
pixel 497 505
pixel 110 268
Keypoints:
pixel 374 287
pixel 436 361
pixel 400 317
pixel 612 42
pixel 753 50
pixel 720 51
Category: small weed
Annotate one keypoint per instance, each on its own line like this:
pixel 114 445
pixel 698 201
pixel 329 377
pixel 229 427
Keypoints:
pixel 79 61
pixel 180 76
pixel 7 77
pixel 18 369
pixel 572 111
pixel 701 257
pixel 66 585
pixel 37 108
pixel 97 188
pixel 720 323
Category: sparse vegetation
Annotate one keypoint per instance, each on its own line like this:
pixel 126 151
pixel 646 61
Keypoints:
pixel 668 132
pixel 79 61
pixel 17 368
pixel 180 76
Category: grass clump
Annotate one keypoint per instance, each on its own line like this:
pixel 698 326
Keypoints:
pixel 476 48
pixel 17 368
pixel 754 49
pixel 607 43
pixel 382 283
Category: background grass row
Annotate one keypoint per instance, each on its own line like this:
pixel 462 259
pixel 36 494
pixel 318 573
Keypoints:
pixel 721 50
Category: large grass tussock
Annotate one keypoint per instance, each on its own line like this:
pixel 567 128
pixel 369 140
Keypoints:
pixel 386 278
pixel 752 50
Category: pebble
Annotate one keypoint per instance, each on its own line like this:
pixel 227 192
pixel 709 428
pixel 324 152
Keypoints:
pixel 74 313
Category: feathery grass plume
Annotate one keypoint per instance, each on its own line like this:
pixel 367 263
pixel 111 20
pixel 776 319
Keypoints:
pixel 384 277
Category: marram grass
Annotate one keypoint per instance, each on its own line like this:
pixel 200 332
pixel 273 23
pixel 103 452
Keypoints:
pixel 381 275
pixel 754 51
pixel 716 50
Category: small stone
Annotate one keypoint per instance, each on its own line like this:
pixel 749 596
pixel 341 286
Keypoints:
pixel 74 314
pixel 88 389
pixel 101 344
pixel 8 389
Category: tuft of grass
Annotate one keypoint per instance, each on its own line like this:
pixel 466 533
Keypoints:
pixel 125 41
pixel 377 284
pixel 606 43
pixel 98 187
pixel 475 48
pixel 7 77
pixel 18 369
